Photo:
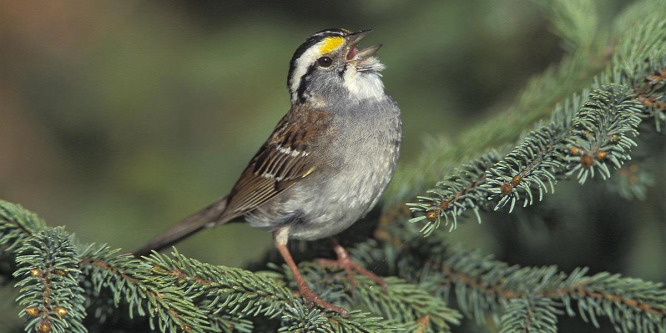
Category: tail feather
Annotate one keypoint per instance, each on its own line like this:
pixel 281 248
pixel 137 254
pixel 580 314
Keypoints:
pixel 190 225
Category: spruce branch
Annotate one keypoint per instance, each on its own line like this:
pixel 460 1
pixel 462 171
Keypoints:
pixel 596 138
pixel 302 319
pixel 456 194
pixel 17 224
pixel 613 79
pixel 530 315
pixel 601 133
pixel 628 85
pixel 48 266
pixel 532 166
pixel 653 96
pixel 244 294
pixel 177 293
pixel 217 289
pixel 639 59
pixel 404 303
pixel 482 285
pixel 542 94
pixel 632 305
pixel 132 280
pixel 407 302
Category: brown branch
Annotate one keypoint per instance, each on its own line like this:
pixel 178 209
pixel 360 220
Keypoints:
pixel 630 302
pixel 651 100
pixel 577 289
pixel 182 276
pixel 154 295
pixel 423 324
pixel 44 323
pixel 528 320
pixel 18 226
pixel 494 290
pixel 105 265
pixel 446 205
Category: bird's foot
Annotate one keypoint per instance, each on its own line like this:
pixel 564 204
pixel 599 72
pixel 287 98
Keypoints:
pixel 313 299
pixel 310 297
pixel 346 262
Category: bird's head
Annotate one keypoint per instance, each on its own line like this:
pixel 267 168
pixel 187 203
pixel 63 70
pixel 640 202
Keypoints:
pixel 329 65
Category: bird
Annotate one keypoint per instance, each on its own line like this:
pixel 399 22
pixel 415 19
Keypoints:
pixel 327 162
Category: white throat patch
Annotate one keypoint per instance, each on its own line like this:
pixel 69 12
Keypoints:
pixel 362 82
pixel 363 85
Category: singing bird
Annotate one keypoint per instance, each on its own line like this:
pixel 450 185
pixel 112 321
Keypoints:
pixel 327 161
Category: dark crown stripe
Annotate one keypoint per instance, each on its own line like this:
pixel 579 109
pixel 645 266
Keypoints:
pixel 312 40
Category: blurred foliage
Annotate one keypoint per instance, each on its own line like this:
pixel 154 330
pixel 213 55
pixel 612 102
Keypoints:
pixel 122 116
pixel 119 118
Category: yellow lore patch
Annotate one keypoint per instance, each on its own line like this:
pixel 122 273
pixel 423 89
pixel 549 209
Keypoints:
pixel 330 43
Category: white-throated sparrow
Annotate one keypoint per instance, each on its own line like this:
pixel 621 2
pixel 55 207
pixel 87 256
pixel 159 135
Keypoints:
pixel 328 160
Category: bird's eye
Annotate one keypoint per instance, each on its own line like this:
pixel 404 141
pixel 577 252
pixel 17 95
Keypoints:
pixel 324 62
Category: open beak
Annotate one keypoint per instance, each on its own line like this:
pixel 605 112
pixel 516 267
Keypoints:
pixel 356 55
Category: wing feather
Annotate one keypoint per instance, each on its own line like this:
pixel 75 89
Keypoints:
pixel 288 156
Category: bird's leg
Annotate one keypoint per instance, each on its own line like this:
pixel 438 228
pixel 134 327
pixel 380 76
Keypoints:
pixel 346 262
pixel 281 237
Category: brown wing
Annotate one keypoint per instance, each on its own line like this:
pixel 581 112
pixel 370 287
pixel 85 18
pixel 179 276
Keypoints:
pixel 285 158
pixel 288 156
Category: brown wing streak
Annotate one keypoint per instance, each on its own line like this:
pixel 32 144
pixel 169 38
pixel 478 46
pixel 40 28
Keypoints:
pixel 282 161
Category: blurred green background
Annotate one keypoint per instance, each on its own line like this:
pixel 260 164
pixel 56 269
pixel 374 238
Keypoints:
pixel 121 117
pixel 118 118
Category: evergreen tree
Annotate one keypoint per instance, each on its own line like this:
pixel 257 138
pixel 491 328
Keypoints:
pixel 595 122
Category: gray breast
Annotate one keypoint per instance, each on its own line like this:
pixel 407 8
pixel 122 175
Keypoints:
pixel 360 162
